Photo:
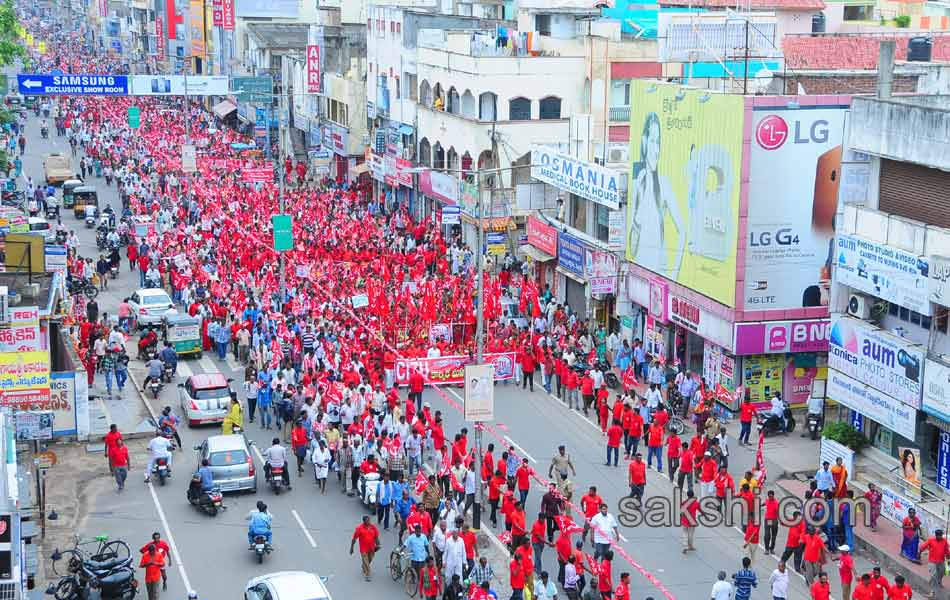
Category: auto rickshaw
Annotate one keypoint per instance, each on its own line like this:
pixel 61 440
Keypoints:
pixel 183 332
pixel 30 101
pixel 84 196
pixel 69 186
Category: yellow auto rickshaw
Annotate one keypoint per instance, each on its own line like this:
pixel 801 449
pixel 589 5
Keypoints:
pixel 84 196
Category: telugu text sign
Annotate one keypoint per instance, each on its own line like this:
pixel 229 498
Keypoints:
pixel 451 369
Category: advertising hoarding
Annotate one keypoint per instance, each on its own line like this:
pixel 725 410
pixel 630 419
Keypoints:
pixel 877 358
pixel 884 271
pixel 451 369
pixel 936 400
pixel 795 165
pixel 683 195
pixel 772 337
pixel 441 186
pixel 541 235
pixel 601 269
pixel 287 9
pixel 570 254
pixel 594 182
pixel 893 414
pixel 938 280
pixel 196 27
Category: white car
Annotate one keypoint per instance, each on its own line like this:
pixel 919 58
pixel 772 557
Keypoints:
pixel 40 226
pixel 148 306
pixel 287 585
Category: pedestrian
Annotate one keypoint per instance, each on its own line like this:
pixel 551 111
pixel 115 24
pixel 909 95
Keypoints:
pixel 813 556
pixel 516 576
pixel 771 522
pixel 864 589
pixel 939 552
pixel 722 589
pixel 107 366
pixel 544 588
pixel 746 414
pixel 164 550
pixel 794 542
pixel 744 580
pixel 900 590
pixel 614 435
pixel 153 563
pixel 846 570
pixel 321 458
pixel 778 582
pixel 368 537
pixel 751 537
pixel 119 462
pixel 605 531
pixel 688 521
pixel 637 472
pixel 430 580
pixel 821 589
pixel 110 440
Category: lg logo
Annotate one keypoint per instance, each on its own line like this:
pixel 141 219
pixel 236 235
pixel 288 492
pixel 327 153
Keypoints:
pixel 773 131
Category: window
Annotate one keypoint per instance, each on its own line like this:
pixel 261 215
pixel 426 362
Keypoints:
pixel 398 89
pixel 399 28
pixel 412 86
pixel 915 318
pixel 542 24
pixel 602 217
pixel 519 109
pixel 859 13
pixel 550 108
pixel 620 92
pixel 228 458
pixel 487 102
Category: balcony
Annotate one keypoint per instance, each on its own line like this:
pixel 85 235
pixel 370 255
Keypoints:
pixel 914 129
pixel 619 114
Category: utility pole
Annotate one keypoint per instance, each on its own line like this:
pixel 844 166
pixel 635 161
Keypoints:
pixel 479 345
pixel 187 110
pixel 280 188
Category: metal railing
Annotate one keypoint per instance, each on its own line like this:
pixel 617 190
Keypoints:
pixel 619 113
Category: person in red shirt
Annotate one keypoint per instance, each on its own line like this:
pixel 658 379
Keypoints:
pixel 494 494
pixel 368 537
pixel 821 589
pixel 528 365
pixel 879 584
pixel 416 384
pixel 614 435
pixel 900 590
pixel 430 580
pixel 674 449
pixel 936 559
pixel 571 382
pixel 519 526
pixel 688 520
pixel 562 547
pixel 587 391
pixel 655 446
pixel 523 477
pixel 605 584
pixel 746 414
pixel 110 440
pixel 153 563
pixel 864 591
pixel 794 544
pixel 590 503
pixel 637 474
pixel 299 441
pixel 845 570
pixel 539 539
pixel 488 463
pixel 687 463
pixel 633 425
pixel 119 461
pixel 771 522
pixel 707 475
pixel 623 588
pixel 603 414
pixel 517 579
pixel 751 538
pixel 163 549
pixel 813 556
pixel 722 483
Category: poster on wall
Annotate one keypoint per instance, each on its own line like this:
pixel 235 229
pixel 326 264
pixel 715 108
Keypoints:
pixel 910 469
pixel 789 245
pixel 762 376
pixel 936 400
pixel 686 148
pixel 601 269
pixel 799 381
pixel 654 341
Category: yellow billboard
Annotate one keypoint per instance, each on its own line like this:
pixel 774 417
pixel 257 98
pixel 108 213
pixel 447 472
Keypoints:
pixel 24 371
pixel 683 196
pixel 196 16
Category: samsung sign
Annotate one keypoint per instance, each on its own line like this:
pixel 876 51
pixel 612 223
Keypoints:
pixel 881 360
pixel 584 179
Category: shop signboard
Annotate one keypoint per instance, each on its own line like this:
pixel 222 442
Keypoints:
pixel 587 180
pixel 570 253
pixel 451 215
pixel 541 235
pixel 284 9
pixel 936 399
pixel 938 280
pixel 313 68
pixel 196 28
pixel 451 369
pixel 873 404
pixel 682 137
pixel 21 332
pixel 601 270
pixel 883 271
pixel 336 138
pixel 877 358
pixel 771 337
pixel 943 460
pixel 788 244
pixel 441 186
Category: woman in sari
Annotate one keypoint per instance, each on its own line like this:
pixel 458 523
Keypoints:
pixel 875 500
pixel 910 546
pixel 840 475
pixel 624 355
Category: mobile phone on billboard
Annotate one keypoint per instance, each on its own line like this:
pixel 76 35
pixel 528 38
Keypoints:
pixel 161 85
pixel 827 180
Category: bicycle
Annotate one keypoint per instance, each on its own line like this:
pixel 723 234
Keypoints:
pixel 114 551
pixel 401 568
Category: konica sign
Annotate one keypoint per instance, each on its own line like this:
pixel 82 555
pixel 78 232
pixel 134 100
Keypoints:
pixel 587 180
pixel 877 358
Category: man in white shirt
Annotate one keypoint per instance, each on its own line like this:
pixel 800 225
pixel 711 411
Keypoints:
pixel 604 527
pixel 778 581
pixel 276 457
pixel 454 557
pixel 544 588
pixel 158 447
pixel 722 589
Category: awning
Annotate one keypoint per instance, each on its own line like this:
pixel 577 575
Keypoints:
pixel 359 169
pixel 405 129
pixel 535 253
pixel 571 275
pixel 223 108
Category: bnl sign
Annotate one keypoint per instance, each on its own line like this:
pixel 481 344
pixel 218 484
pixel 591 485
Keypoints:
pixel 73 85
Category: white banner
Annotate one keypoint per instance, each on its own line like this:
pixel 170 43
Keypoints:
pixel 937 390
pixel 832 451
pixel 884 271
pixel 938 280
pixel 174 85
pixel 891 413
pixel 479 393
pixel 594 182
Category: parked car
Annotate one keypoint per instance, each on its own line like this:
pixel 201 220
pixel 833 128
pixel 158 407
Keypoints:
pixel 287 585
pixel 232 466
pixel 148 306
pixel 204 398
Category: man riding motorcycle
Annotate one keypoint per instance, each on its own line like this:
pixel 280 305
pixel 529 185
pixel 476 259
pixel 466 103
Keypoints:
pixel 159 447
pixel 154 368
pixel 169 357
pixel 146 341
pixel 276 456
pixel 778 410
pixel 203 480
pixel 259 523
pixel 168 423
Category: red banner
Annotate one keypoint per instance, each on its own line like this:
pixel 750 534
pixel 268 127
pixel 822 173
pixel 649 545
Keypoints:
pixel 217 13
pixel 228 164
pixel 541 235
pixel 255 174
pixel 451 369
pixel 160 38
pixel 313 68
pixel 227 15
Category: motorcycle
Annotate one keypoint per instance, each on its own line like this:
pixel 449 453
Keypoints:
pixel 207 501
pixel 155 386
pixel 61 237
pixel 44 132
pixel 83 286
pixel 813 424
pixel 113 577
pixel 366 489
pixel 90 221
pixel 769 424
pixel 101 239
pixel 276 479
pixel 114 271
pixel 162 470
pixel 51 213
pixel 167 373
pixel 261 547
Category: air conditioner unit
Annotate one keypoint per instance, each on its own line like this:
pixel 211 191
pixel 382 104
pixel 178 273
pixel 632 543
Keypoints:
pixel 859 306
pixel 617 155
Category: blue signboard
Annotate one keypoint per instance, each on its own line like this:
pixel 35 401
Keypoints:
pixel 856 421
pixel 116 45
pixel 943 460
pixel 570 253
pixel 73 85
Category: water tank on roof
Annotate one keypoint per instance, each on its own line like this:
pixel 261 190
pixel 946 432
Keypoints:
pixel 818 23
pixel 919 49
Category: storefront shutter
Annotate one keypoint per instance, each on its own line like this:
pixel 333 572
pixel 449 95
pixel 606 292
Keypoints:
pixel 915 192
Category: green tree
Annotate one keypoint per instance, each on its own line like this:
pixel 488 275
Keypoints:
pixel 11 47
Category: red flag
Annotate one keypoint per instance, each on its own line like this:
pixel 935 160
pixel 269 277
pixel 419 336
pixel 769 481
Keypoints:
pixel 455 483
pixel 760 458
pixel 504 537
pixel 421 483
pixel 722 394
pixel 567 525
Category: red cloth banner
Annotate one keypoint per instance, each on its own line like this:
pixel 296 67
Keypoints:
pixel 227 15
pixel 160 38
pixel 217 13
pixel 451 369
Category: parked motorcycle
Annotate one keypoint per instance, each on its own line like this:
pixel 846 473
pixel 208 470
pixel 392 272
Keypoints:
pixel 82 286
pixel 813 424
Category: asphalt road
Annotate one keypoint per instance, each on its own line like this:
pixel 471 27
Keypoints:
pixel 312 532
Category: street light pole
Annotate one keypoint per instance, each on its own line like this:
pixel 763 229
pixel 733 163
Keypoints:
pixel 280 188
pixel 479 346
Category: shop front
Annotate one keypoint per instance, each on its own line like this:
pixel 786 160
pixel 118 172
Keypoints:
pixel 572 285
pixel 441 190
pixel 335 138
pixel 936 427
pixel 540 252
pixel 398 178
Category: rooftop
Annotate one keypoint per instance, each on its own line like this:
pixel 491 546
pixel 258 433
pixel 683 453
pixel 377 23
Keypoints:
pixel 46 296
pixel 754 4
pixel 851 51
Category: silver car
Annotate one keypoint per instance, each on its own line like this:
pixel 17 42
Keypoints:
pixel 287 585
pixel 232 466
pixel 148 306
pixel 205 398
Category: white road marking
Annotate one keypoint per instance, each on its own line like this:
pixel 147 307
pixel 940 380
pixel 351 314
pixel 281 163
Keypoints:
pixel 260 456
pixel 313 544
pixel 520 450
pixel 232 364
pixel 179 561
pixel 575 413
pixel 622 539
pixel 184 369
pixel 207 364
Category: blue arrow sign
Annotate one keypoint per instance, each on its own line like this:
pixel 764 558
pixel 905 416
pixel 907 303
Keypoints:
pixel 73 85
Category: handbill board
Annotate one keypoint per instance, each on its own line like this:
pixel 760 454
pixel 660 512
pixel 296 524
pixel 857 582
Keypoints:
pixel 683 195
pixel 936 400
pixel 541 235
pixel 884 271
pixel 795 169
pixel 479 393
pixel 893 414
pixel 451 369
pixel 178 85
